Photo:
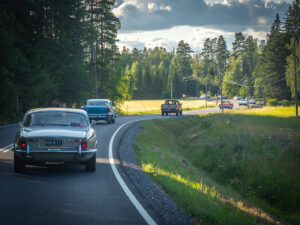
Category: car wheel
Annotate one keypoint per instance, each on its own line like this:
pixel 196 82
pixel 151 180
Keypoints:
pixel 109 120
pixel 113 120
pixel 19 164
pixel 90 165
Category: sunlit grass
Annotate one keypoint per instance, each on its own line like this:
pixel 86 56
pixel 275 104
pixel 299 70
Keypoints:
pixel 154 106
pixel 278 111
pixel 237 168
pixel 211 192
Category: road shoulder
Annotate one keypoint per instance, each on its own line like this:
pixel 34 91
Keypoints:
pixel 165 207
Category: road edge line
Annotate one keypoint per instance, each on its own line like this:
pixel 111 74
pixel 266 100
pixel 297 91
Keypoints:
pixel 8 147
pixel 125 188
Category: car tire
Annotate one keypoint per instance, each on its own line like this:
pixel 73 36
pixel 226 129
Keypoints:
pixel 19 164
pixel 109 120
pixel 90 165
pixel 113 120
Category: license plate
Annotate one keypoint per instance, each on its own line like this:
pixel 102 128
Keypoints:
pixel 53 142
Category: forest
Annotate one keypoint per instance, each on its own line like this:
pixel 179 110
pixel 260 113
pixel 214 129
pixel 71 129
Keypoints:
pixel 53 49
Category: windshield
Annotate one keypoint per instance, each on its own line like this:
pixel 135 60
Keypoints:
pixel 97 103
pixel 56 118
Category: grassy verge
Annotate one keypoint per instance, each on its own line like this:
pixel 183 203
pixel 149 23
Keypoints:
pixel 237 168
pixel 137 107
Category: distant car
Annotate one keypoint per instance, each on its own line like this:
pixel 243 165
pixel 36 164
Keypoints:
pixel 171 106
pixel 251 101
pixel 226 104
pixel 242 102
pixel 219 97
pixel 100 109
pixel 55 135
pixel 237 98
pixel 204 96
pixel 259 104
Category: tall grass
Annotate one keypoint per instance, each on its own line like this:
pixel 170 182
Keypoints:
pixel 227 169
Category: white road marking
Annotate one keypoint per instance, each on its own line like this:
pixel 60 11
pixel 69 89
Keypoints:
pixel 129 194
pixel 7 148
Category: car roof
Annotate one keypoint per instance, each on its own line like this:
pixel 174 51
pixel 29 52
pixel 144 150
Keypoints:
pixel 49 109
pixel 97 99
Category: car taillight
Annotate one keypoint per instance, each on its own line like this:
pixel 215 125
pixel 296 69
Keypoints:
pixel 84 144
pixel 108 108
pixel 23 144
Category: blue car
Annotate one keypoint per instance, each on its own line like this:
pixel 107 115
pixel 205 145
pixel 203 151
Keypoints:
pixel 100 109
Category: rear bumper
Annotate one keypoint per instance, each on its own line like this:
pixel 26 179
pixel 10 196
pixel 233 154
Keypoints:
pixel 73 156
pixel 99 116
pixel 170 110
pixel 226 106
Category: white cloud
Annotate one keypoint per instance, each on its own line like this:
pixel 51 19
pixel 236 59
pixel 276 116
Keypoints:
pixel 151 23
pixel 169 38
pixel 262 21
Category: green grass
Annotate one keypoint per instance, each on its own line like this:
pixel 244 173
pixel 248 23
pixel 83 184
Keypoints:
pixel 237 168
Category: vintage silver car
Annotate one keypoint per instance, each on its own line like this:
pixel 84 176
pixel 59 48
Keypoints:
pixel 55 135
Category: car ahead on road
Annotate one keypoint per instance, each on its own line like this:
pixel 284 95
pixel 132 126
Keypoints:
pixel 242 102
pixel 171 106
pixel 55 135
pixel 226 104
pixel 100 109
pixel 204 96
pixel 251 101
pixel 237 98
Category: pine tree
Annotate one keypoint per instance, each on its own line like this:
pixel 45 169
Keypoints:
pixel 222 53
pixel 107 26
pixel 275 60
pixel 238 44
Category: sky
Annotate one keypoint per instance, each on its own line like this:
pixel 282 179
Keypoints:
pixel 150 23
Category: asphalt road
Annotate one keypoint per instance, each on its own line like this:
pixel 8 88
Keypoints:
pixel 65 194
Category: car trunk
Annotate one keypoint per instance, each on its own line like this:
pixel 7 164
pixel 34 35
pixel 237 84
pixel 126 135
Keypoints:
pixel 96 109
pixel 53 138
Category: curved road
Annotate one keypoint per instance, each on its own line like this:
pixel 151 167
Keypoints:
pixel 65 194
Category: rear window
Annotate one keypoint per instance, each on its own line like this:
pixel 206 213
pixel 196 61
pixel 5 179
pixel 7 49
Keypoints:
pixel 56 118
pixel 104 103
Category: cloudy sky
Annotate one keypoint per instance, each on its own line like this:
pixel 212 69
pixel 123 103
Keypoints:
pixel 150 23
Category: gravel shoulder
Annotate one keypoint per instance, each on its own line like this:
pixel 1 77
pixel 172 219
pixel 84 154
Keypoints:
pixel 163 206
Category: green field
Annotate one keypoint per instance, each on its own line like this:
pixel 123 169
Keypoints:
pixel 238 168
pixel 153 106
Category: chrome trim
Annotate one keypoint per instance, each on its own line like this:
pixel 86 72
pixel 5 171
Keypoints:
pixel 46 151
pixel 27 150
pixel 79 149
pixel 98 116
